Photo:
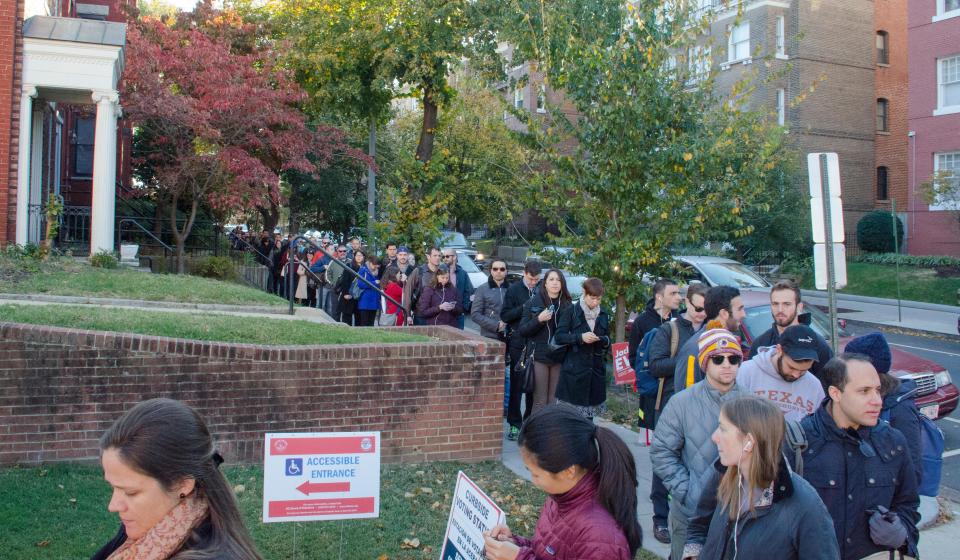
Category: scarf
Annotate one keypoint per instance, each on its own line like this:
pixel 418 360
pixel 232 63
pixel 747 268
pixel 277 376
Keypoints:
pixel 165 538
pixel 590 314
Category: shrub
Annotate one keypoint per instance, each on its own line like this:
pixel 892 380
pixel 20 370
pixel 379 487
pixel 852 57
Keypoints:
pixel 907 260
pixel 218 268
pixel 875 232
pixel 104 259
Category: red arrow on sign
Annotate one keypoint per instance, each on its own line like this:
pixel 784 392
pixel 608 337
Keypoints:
pixel 320 487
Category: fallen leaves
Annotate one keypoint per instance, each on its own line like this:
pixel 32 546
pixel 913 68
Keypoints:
pixel 410 543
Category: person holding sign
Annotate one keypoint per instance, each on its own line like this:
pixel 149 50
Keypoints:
pixel 585 330
pixel 591 479
pixel 168 490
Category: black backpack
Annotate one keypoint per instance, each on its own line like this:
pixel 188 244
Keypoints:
pixel 796 440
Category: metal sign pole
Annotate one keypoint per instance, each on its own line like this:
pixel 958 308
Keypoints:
pixel 828 232
pixel 896 249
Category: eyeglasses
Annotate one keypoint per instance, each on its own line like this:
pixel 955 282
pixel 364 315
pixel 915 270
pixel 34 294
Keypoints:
pixel 498 268
pixel 341 250
pixel 732 358
pixel 448 256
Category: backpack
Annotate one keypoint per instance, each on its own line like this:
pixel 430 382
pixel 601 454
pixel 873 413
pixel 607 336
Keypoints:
pixel 931 452
pixel 646 384
pixel 795 439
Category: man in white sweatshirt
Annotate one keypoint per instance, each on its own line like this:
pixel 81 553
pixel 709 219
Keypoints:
pixel 781 373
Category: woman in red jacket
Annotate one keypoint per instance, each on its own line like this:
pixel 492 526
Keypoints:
pixel 395 290
pixel 591 479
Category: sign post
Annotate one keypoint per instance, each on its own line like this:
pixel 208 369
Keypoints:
pixel 826 212
pixel 321 476
pixel 471 513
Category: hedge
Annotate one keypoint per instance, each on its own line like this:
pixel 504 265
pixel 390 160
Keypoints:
pixel 908 260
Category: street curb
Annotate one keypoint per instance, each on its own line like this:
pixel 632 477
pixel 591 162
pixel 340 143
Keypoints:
pixel 146 304
pixel 884 301
pixel 907 330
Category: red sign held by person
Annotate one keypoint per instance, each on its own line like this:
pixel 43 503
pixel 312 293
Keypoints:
pixel 622 372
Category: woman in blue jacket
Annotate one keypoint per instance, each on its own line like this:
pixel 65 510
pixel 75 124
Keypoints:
pixel 369 302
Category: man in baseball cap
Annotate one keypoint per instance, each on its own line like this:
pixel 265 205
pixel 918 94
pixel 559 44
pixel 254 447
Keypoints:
pixel 781 373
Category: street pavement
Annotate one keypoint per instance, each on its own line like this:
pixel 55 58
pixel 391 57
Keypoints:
pixel 920 316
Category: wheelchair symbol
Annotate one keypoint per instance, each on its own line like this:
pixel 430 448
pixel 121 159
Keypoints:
pixel 294 467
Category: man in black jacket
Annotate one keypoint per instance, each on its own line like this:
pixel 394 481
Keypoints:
pixel 787 310
pixel 512 312
pixel 660 308
pixel 662 361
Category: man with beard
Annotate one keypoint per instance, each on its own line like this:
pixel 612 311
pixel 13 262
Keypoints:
pixel 787 310
pixel 779 373
pixel 722 303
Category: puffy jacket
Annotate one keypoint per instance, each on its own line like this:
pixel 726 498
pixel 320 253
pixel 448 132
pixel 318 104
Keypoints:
pixel 902 412
pixel 661 364
pixel 539 333
pixel 686 370
pixel 683 453
pixel 429 305
pixel 583 375
pixel 487 304
pixel 795 526
pixel 771 337
pixel 645 322
pixel 574 526
pixel 369 297
pixel 796 399
pixel 856 470
pixel 512 312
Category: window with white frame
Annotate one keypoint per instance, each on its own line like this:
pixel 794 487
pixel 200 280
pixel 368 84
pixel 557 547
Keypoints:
pixel 781 37
pixel 541 99
pixel 738 44
pixel 781 107
pixel 948 82
pixel 946 166
pixel 945 6
pixel 699 63
pixel 518 97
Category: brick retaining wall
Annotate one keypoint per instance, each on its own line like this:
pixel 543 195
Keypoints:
pixel 61 388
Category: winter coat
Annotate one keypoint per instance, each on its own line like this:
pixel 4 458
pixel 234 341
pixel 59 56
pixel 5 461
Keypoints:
pixel 512 312
pixel 465 287
pixel 856 470
pixel 487 304
pixel 583 375
pixel 369 297
pixel 539 333
pixel 796 399
pixel 771 337
pixel 661 364
pixel 574 526
pixel 686 370
pixel 795 526
pixel 395 291
pixel 346 280
pixel 902 412
pixel 683 453
pixel 429 306
pixel 198 540
pixel 645 322
pixel 419 279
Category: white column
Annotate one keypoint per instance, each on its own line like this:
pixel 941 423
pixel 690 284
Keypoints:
pixel 23 162
pixel 103 205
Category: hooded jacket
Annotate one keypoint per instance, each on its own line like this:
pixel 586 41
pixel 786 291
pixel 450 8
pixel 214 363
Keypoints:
pixel 901 411
pixel 683 453
pixel 429 305
pixel 853 470
pixel 796 399
pixel 645 322
pixel 539 333
pixel 771 337
pixel 574 526
pixel 661 364
pixel 487 304
pixel 512 312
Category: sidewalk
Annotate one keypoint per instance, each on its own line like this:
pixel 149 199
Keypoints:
pixel 913 315
pixel 935 543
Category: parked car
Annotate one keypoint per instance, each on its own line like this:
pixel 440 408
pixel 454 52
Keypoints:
pixel 574 281
pixel 458 241
pixel 717 271
pixel 477 276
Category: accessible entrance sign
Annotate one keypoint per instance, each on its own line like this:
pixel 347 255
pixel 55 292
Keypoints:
pixel 321 476
pixel 471 513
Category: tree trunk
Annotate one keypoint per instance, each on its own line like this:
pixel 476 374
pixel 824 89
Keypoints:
pixel 620 317
pixel 180 237
pixel 429 129
pixel 271 216
pixel 372 184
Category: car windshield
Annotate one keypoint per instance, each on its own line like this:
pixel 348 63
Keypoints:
pixel 759 320
pixel 466 263
pixel 452 239
pixel 575 285
pixel 732 274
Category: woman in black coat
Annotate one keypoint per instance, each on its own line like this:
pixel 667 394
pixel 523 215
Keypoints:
pixel 585 330
pixel 541 316
pixel 347 305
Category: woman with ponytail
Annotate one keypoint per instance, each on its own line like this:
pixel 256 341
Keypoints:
pixel 591 479
pixel 172 499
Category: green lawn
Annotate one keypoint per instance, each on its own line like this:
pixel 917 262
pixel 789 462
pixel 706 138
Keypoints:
pixel 200 326
pixel 61 512
pixel 71 277
pixel 916 284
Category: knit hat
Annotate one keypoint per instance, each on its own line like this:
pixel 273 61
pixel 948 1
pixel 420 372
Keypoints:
pixel 874 346
pixel 716 340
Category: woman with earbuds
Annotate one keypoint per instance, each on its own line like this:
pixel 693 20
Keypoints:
pixel 761 506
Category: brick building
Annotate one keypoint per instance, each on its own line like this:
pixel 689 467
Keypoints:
pixel 892 148
pixel 933 30
pixel 60 65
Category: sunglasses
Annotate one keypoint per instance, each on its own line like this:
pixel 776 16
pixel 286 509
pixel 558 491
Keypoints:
pixel 499 268
pixel 697 309
pixel 733 359
pixel 448 256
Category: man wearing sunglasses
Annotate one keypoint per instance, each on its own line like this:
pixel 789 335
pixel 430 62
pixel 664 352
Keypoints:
pixel 683 452
pixel 333 273
pixel 779 373
pixel 722 303
pixel 488 302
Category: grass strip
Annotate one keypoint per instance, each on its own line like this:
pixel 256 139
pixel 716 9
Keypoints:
pixel 916 284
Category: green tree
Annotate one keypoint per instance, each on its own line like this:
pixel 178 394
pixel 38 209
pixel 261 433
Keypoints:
pixel 659 161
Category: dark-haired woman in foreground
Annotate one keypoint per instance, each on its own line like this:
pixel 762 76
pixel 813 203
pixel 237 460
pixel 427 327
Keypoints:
pixel 168 491
pixel 591 479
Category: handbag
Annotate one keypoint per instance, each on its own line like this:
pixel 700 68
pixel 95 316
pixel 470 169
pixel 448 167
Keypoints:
pixel 525 364
pixel 386 319
pixel 355 290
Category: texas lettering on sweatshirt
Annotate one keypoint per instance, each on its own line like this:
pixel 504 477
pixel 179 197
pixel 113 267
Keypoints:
pixel 796 399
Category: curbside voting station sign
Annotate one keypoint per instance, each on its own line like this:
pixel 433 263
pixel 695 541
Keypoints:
pixel 321 476
pixel 471 513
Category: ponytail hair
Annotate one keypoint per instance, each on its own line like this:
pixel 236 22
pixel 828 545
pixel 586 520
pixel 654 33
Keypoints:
pixel 559 438
pixel 168 441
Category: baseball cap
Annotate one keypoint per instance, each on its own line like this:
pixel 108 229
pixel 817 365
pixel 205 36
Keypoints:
pixel 800 343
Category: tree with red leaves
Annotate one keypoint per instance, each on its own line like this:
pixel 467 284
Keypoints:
pixel 217 119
